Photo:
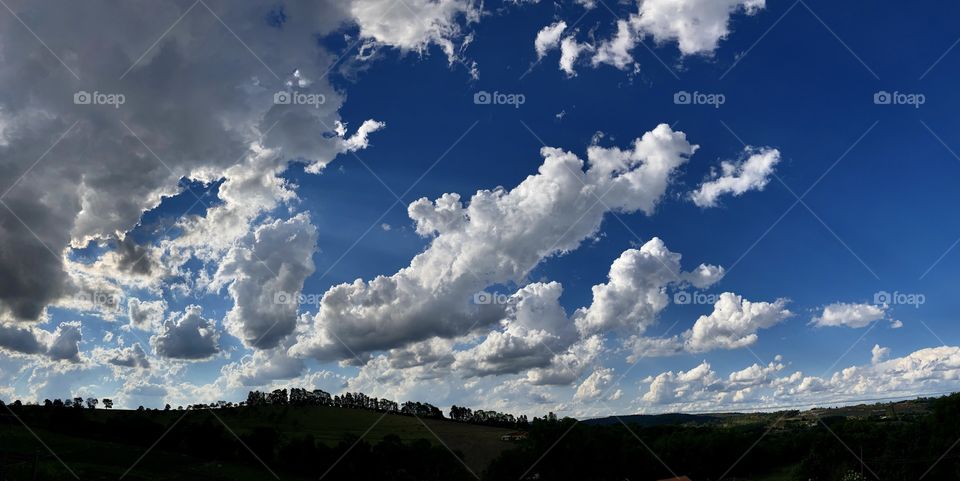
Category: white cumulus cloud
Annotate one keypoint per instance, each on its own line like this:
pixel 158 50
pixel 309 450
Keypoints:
pixel 734 323
pixel 736 178
pixel 498 237
pixel 849 315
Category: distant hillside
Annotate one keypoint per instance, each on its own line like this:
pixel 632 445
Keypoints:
pixel 892 441
pixel 648 420
pixel 893 409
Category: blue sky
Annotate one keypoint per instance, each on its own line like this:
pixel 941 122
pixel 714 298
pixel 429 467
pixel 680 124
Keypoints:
pixel 801 78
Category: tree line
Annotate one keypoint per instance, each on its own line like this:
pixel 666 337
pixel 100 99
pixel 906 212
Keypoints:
pixel 359 400
pixel 488 418
pixel 70 403
pixel 318 397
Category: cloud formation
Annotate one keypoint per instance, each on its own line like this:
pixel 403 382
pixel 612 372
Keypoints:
pixel 133 356
pixel 188 337
pixel 548 38
pixel 635 293
pixel 498 237
pixel 850 315
pixel 737 178
pixel 266 277
pixel 734 323
pixel 81 171
pixel 928 370
pixel 696 26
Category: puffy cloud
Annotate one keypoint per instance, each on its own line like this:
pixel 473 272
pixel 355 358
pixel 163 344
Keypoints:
pixel 636 291
pixel 535 328
pixel 189 337
pixel 616 51
pixel 548 38
pixel 697 26
pixel 568 366
pixel 702 388
pixel 570 51
pixel 61 345
pixel 86 290
pixel 20 339
pixel 734 323
pixel 849 315
pixel 932 369
pixel 497 238
pixel 415 24
pixel 146 315
pixel 736 178
pixel 507 353
pixel 878 353
pixel 263 367
pixel 132 356
pixel 194 103
pixel 437 352
pixel 595 385
pixel 669 387
pixel 65 344
pixel 360 139
pixel 927 370
pixel 132 257
pixel 755 375
pixel 266 278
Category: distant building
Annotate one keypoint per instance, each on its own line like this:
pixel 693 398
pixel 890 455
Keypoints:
pixel 514 436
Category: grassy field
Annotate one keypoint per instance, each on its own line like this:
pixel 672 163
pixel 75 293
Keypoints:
pixel 94 459
pixel 479 444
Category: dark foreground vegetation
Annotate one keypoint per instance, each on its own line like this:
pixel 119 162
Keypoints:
pixel 897 441
pixel 330 440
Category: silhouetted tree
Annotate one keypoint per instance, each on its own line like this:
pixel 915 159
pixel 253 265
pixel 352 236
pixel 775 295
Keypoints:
pixel 278 397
